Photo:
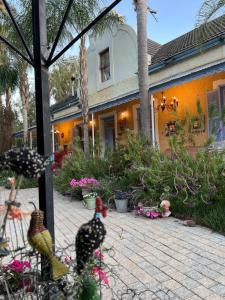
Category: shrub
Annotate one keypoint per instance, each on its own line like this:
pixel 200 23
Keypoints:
pixel 25 184
pixel 76 166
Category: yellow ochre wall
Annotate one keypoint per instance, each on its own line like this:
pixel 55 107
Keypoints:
pixel 66 128
pixel 187 94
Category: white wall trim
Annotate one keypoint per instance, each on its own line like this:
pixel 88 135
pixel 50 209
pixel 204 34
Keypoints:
pixel 101 127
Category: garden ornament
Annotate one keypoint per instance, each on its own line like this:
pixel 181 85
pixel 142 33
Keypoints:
pixel 40 239
pixel 90 236
pixel 24 161
pixel 165 205
pixel 3 247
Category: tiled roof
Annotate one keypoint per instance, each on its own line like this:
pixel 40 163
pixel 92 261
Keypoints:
pixel 68 102
pixel 193 39
pixel 153 47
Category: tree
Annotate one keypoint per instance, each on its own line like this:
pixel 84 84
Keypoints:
pixel 145 110
pixel 209 9
pixel 61 84
pixel 8 83
pixel 83 12
pixel 24 20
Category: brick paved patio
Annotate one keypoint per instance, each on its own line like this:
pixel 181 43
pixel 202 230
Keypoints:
pixel 162 253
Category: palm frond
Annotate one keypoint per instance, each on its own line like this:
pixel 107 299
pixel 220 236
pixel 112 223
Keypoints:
pixel 208 10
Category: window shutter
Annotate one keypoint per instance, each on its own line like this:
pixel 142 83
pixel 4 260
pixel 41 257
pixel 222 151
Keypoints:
pixel 215 125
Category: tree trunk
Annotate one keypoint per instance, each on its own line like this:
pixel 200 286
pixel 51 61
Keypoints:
pixel 1 123
pixel 7 99
pixel 7 123
pixel 145 109
pixel 25 97
pixel 84 93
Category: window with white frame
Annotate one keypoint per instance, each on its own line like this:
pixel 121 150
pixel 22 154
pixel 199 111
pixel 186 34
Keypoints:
pixel 104 65
pixel 215 101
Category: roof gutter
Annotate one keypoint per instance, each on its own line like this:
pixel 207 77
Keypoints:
pixel 193 75
pixel 187 54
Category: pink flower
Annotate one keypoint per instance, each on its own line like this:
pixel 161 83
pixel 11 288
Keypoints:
pixel 67 259
pixel 27 264
pixel 84 182
pixel 99 254
pixel 18 266
pixel 102 275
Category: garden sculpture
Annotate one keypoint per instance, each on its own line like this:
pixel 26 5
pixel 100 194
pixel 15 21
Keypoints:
pixel 40 239
pixel 90 236
pixel 165 205
pixel 24 161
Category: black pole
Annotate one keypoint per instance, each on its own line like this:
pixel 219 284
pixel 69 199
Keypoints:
pixel 43 109
pixel 17 29
pixel 60 29
pixel 10 45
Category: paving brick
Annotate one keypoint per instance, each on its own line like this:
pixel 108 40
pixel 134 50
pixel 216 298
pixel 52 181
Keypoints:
pixel 219 289
pixel 187 262
pixel 183 293
pixel 194 275
pixel 171 284
pixel 189 283
pixel 207 282
pixel 202 291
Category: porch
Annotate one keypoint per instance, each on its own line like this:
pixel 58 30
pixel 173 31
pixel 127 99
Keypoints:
pixel 109 126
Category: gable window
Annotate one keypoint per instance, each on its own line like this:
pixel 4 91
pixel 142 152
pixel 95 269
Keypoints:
pixel 104 65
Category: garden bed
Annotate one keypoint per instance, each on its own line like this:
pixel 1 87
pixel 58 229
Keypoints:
pixel 194 185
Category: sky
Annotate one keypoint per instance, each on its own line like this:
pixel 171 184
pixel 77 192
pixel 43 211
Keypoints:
pixel 175 17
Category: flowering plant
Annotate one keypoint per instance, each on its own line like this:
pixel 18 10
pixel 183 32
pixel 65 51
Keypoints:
pixel 88 183
pixel 17 274
pixel 148 212
pixel 92 195
pixel 98 267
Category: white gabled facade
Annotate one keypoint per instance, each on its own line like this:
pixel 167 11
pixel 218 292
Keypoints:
pixel 122 45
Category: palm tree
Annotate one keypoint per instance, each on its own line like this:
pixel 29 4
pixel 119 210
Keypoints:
pixel 61 75
pixel 141 9
pixel 24 20
pixel 83 12
pixel 209 9
pixel 8 82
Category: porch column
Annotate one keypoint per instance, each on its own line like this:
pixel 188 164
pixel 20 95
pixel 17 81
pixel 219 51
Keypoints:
pixel 93 133
pixel 153 120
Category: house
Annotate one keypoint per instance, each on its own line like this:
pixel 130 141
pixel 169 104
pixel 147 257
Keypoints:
pixel 188 69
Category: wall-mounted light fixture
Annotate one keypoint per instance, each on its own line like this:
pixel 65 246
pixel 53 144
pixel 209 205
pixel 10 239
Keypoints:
pixel 123 121
pixel 92 122
pixel 168 104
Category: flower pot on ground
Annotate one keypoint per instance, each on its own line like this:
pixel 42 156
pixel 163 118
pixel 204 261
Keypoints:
pixel 121 201
pixel 89 200
pixel 88 186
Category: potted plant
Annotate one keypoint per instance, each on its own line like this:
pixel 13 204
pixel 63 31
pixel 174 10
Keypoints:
pixel 88 187
pixel 121 201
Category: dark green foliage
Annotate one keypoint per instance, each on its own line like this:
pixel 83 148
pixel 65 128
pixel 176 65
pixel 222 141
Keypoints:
pixel 89 290
pixel 77 167
pixel 193 184
pixel 25 184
